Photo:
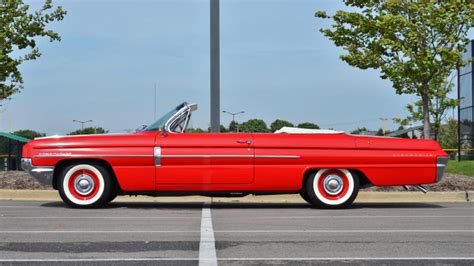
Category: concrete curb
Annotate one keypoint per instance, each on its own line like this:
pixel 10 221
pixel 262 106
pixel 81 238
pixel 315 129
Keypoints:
pixel 364 196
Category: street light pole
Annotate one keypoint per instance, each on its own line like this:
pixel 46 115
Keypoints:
pixel 82 123
pixel 215 66
pixel 233 116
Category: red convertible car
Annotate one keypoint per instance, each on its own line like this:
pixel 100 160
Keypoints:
pixel 326 168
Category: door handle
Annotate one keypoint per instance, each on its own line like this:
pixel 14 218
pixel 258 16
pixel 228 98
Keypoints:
pixel 248 142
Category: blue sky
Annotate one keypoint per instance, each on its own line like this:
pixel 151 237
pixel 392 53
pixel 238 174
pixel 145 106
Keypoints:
pixel 274 64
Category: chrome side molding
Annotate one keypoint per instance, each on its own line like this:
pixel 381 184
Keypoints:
pixel 157 155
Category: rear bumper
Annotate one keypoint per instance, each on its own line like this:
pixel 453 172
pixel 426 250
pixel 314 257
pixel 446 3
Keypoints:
pixel 441 163
pixel 44 174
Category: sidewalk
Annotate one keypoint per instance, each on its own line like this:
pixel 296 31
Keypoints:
pixel 364 196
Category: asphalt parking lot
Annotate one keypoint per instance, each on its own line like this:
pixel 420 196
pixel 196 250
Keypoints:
pixel 236 233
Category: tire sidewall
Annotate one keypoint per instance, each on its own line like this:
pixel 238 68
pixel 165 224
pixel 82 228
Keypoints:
pixel 99 199
pixel 319 200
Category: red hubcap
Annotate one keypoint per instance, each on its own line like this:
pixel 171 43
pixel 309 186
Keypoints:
pixel 84 184
pixel 333 178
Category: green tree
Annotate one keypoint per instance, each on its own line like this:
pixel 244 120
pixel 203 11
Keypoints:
pixel 233 126
pixel 439 105
pixel 278 124
pixel 254 125
pixel 89 130
pixel 29 134
pixel 414 44
pixel 308 125
pixel 359 130
pixel 195 130
pixel 223 129
pixel 380 132
pixel 19 31
pixel 448 137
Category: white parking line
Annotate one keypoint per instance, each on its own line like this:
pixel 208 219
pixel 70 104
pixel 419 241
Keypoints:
pixel 100 218
pixel 351 216
pixel 246 259
pixel 207 233
pixel 345 231
pixel 207 248
pixel 98 232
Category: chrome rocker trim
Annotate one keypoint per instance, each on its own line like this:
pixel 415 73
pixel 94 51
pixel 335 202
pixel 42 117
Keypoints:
pixel 44 174
pixel 441 163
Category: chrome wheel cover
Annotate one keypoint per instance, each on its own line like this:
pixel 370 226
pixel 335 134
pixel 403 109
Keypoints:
pixel 333 184
pixel 84 184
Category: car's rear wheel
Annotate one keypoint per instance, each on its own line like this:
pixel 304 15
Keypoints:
pixel 332 188
pixel 85 185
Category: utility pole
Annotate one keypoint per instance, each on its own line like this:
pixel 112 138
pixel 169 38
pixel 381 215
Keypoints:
pixel 82 123
pixel 233 116
pixel 215 66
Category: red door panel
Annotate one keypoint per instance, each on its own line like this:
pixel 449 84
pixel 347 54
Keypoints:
pixel 204 158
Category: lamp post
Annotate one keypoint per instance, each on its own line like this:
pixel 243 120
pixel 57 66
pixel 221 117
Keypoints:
pixel 82 123
pixel 233 116
pixel 215 65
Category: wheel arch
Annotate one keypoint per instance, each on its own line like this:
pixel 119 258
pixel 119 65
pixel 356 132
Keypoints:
pixel 67 162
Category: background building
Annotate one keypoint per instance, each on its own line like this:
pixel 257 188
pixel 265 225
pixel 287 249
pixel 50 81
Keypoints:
pixel 466 110
pixel 10 151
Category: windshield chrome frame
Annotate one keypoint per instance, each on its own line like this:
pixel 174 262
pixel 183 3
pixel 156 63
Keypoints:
pixel 187 110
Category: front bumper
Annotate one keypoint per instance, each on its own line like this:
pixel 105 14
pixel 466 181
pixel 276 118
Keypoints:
pixel 44 174
pixel 441 163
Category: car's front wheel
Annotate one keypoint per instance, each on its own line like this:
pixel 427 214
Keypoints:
pixel 85 185
pixel 332 188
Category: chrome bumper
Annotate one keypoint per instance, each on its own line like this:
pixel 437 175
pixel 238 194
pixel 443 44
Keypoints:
pixel 44 174
pixel 441 163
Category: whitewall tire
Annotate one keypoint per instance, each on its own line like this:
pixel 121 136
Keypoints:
pixel 85 185
pixel 332 188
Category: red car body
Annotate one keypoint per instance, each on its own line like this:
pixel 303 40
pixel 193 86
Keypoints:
pixel 154 162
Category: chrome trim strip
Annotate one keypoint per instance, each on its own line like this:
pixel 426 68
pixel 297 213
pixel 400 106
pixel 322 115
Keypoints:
pixel 44 174
pixel 206 156
pixel 277 156
pixel 231 156
pixel 157 155
pixel 91 155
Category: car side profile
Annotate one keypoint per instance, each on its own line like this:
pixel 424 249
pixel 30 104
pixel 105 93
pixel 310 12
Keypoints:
pixel 327 168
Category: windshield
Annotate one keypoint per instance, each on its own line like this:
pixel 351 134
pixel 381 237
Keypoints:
pixel 160 123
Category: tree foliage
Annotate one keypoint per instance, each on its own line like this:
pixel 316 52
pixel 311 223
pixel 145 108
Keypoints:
pixel 195 130
pixel 448 135
pixel 254 125
pixel 414 44
pixel 19 30
pixel 359 130
pixel 89 130
pixel 29 133
pixel 439 105
pixel 233 126
pixel 308 125
pixel 278 124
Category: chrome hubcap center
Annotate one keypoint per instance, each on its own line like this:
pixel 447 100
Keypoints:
pixel 84 184
pixel 333 184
